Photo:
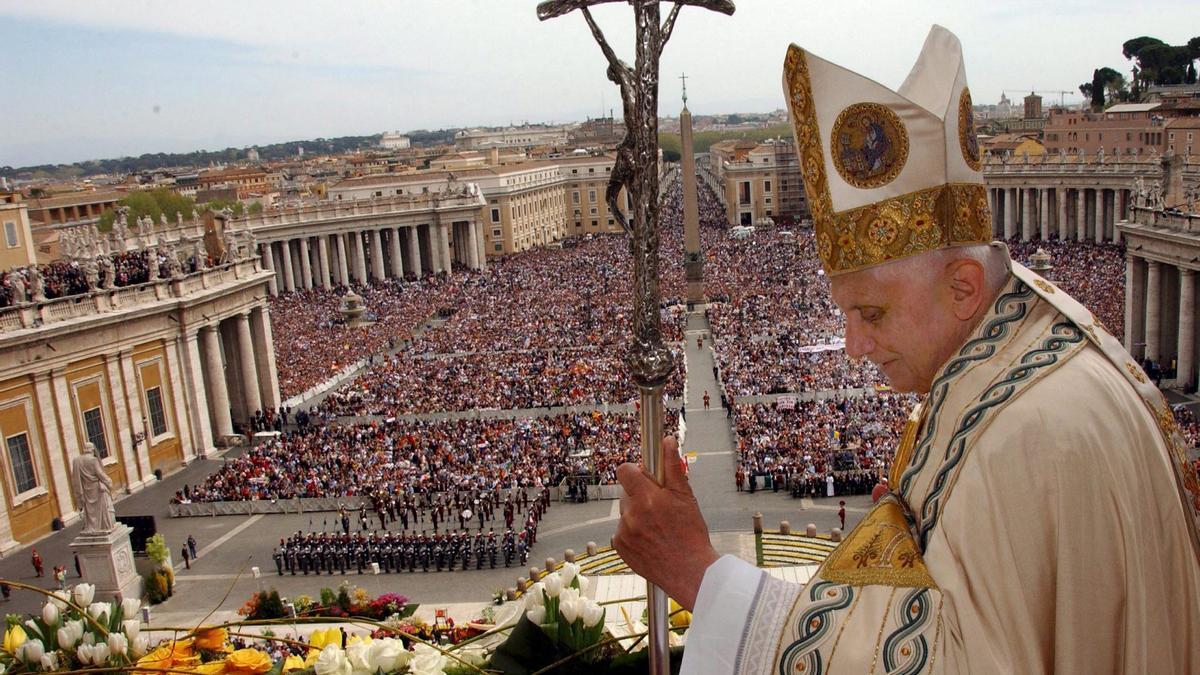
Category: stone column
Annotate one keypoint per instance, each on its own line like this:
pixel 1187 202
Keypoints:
pixel 1118 214
pixel 376 254
pixel 444 239
pixel 264 349
pixel 248 369
pixel 1098 217
pixel 1060 203
pixel 393 235
pixel 992 208
pixel 481 247
pixel 1010 213
pixel 473 245
pixel 65 413
pixel 306 275
pixel 58 468
pixel 268 258
pixel 323 259
pixel 1044 216
pixel 174 378
pixel 214 373
pixel 342 268
pixel 1080 214
pixel 127 420
pixel 196 398
pixel 1153 307
pixel 289 278
pixel 1130 298
pixel 360 258
pixel 1187 326
pixel 138 415
pixel 1027 214
pixel 414 251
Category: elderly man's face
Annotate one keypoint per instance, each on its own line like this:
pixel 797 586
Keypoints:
pixel 899 324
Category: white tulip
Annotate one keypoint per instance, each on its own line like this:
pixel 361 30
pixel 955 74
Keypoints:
pixel 118 644
pixel 50 614
pixel 568 595
pixel 569 609
pixel 427 661
pixel 333 661
pixel 592 614
pixel 132 628
pixel 76 629
pixel 536 616
pixel 473 655
pixel 584 582
pixel 84 654
pixel 130 608
pixel 31 625
pixel 533 597
pixel 141 645
pixel 31 652
pixel 554 585
pixel 100 654
pixel 66 638
pixel 49 661
pixel 89 639
pixel 59 599
pixel 568 572
pixel 83 594
pixel 388 655
pixel 99 609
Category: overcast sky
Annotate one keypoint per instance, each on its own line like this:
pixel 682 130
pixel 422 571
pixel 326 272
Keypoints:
pixel 90 79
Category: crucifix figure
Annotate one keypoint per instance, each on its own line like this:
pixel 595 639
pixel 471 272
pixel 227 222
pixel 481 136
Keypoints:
pixel 636 170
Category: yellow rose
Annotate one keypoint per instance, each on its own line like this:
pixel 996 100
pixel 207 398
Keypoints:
pixel 213 668
pixel 291 663
pixel 247 662
pixel 211 639
pixel 13 639
pixel 170 655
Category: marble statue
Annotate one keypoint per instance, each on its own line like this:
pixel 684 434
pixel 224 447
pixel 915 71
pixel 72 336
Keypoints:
pixel 1139 191
pixel 16 282
pixel 162 220
pixel 92 488
pixel 179 219
pixel 91 273
pixel 108 273
pixel 200 254
pixel 1100 155
pixel 173 267
pixel 37 285
pixel 152 263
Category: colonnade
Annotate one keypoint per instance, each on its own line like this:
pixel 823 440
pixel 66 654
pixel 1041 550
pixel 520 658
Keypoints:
pixel 340 258
pixel 1068 213
pixel 1160 314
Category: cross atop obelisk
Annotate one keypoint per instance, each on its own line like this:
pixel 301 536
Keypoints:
pixel 636 169
pixel 683 79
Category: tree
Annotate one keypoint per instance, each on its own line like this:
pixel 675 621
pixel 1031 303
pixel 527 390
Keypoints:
pixel 1131 48
pixel 1193 46
pixel 1086 90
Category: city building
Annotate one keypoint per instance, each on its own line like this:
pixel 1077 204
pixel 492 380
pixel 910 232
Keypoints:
pixel 525 136
pixel 18 249
pixel 154 375
pixel 83 206
pixel 245 182
pixel 394 140
pixel 755 181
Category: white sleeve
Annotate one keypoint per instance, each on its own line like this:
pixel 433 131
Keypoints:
pixel 723 605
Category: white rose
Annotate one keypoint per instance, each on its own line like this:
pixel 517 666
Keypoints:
pixel 118 644
pixel 536 616
pixel 388 655
pixel 50 614
pixel 592 614
pixel 554 585
pixel 427 661
pixel 130 608
pixel 357 655
pixel 83 594
pixel 99 609
pixel 132 628
pixel 333 661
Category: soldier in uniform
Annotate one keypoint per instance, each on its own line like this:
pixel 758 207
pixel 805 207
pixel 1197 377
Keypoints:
pixel 491 547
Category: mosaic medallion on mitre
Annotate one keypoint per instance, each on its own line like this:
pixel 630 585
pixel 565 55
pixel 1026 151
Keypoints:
pixel 968 139
pixel 869 145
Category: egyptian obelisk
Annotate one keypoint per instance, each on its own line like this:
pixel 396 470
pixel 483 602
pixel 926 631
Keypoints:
pixel 693 262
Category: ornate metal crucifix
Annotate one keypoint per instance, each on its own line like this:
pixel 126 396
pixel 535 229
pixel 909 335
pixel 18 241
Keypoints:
pixel 636 169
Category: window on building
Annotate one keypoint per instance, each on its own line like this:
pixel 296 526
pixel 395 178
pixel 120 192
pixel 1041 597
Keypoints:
pixel 575 197
pixel 595 223
pixel 591 196
pixel 1128 136
pixel 498 247
pixel 93 425
pixel 158 418
pixel 495 215
pixel 379 193
pixel 592 211
pixel 21 460
pixel 744 192
pixel 766 186
pixel 10 234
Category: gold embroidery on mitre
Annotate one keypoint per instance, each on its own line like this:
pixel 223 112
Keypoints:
pixel 880 550
pixel 968 140
pixel 897 227
pixel 869 145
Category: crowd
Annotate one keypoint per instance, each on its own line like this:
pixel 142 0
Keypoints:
pixel 781 365
pixel 1094 274
pixel 410 384
pixel 817 446
pixel 426 457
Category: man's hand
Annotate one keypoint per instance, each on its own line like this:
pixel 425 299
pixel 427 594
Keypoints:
pixel 662 535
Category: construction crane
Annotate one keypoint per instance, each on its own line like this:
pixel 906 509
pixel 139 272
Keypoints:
pixel 1062 93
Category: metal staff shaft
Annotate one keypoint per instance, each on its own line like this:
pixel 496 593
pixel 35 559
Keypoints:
pixel 657 609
